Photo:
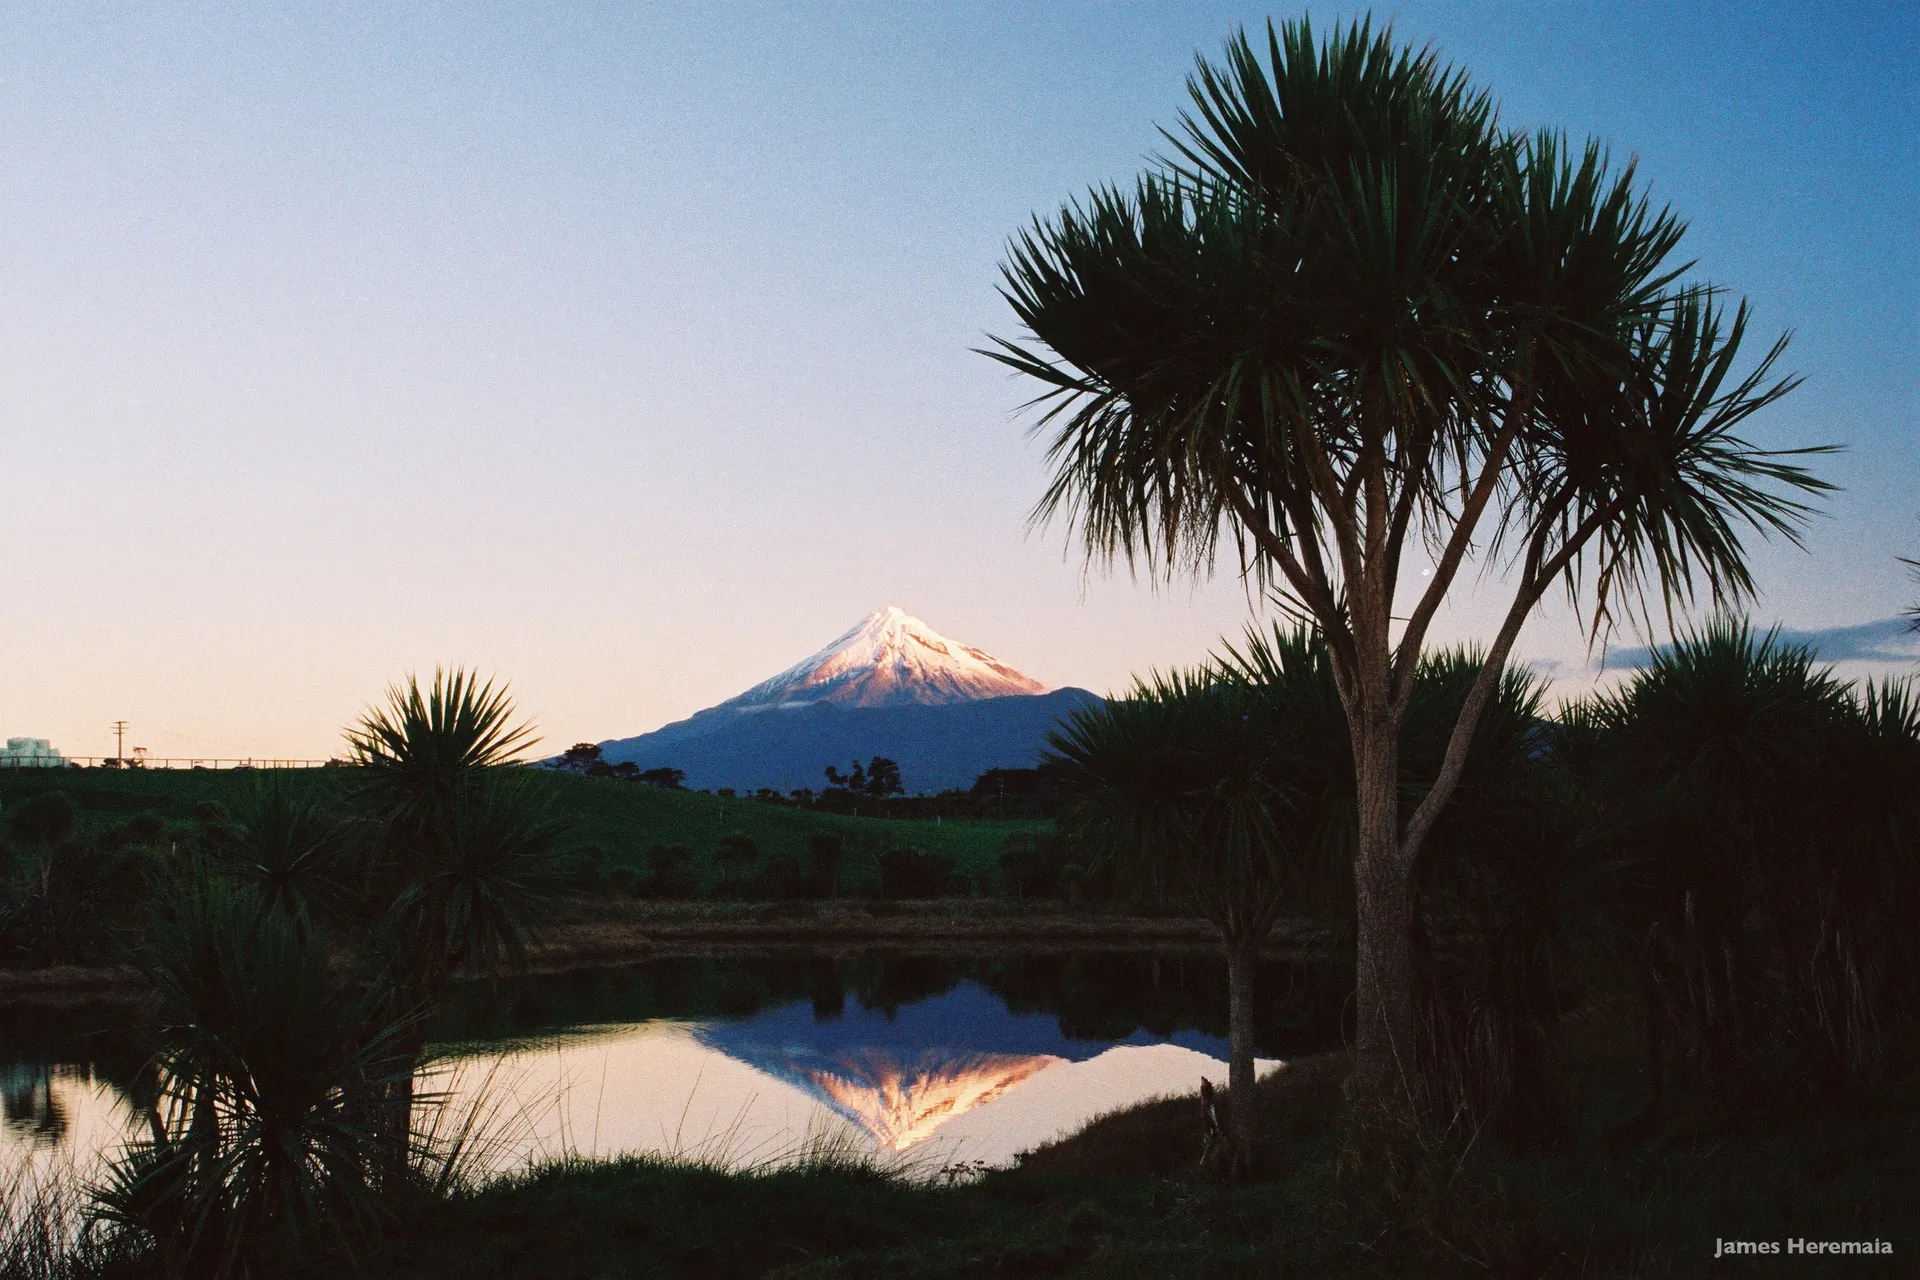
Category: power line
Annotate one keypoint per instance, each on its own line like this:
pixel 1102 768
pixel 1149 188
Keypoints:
pixel 120 739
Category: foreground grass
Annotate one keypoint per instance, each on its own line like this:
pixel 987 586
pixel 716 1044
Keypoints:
pixel 1621 1195
pixel 1618 1194
pixel 621 819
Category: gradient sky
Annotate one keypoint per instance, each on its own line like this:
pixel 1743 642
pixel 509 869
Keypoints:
pixel 624 350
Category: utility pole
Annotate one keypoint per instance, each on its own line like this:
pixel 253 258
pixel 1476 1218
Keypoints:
pixel 120 739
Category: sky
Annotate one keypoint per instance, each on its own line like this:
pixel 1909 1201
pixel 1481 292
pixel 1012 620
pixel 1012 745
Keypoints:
pixel 626 352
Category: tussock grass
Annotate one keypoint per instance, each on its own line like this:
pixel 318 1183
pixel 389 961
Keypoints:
pixel 47 1230
pixel 1337 1192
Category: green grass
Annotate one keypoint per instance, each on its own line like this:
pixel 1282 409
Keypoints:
pixel 1615 1198
pixel 620 818
pixel 623 818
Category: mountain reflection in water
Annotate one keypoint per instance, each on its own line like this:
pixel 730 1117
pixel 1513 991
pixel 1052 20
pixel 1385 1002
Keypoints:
pixel 960 1066
pixel 899 1104
pixel 751 1061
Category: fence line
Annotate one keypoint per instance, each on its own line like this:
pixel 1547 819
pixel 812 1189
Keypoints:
pixel 160 762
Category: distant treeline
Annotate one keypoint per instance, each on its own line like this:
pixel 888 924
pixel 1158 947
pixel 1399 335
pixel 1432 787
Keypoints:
pixel 875 789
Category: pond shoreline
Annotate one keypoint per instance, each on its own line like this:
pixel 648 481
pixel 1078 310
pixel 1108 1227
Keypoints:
pixel 591 934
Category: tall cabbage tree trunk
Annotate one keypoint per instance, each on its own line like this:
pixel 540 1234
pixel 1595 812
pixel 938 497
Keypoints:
pixel 1243 958
pixel 1383 942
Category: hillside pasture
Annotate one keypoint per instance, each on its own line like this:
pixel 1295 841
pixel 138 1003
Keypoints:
pixel 622 820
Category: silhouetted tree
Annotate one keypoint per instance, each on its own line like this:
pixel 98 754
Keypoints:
pixel 579 757
pixel 883 778
pixel 1354 323
pixel 879 779
pixel 854 782
pixel 1185 793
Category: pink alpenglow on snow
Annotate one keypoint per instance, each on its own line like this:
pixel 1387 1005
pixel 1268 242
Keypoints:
pixel 890 659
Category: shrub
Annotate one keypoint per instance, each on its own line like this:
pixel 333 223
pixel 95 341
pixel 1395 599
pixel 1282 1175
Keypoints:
pixel 48 819
pixel 1031 865
pixel 69 900
pixel 670 873
pixel 148 829
pixel 737 853
pixel 780 880
pixel 823 851
pixel 212 814
pixel 585 866
pixel 909 873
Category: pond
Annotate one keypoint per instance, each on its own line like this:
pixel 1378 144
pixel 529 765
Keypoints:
pixel 922 1061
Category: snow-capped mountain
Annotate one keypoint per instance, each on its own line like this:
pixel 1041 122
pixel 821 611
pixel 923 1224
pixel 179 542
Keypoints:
pixel 891 659
pixel 892 686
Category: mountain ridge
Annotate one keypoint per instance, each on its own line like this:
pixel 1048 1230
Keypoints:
pixel 891 686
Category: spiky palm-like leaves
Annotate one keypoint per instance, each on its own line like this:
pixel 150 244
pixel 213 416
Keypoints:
pixel 426 750
pixel 1863 959
pixel 1509 907
pixel 1209 786
pixel 262 1141
pixel 285 1097
pixel 1352 314
pixel 478 896
pixel 1189 797
pixel 1771 813
pixel 1287 672
pixel 290 853
pixel 1185 794
pixel 461 853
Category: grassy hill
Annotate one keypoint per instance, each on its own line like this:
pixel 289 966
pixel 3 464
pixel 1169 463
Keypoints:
pixel 620 818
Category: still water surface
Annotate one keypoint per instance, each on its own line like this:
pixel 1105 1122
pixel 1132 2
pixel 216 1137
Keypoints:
pixel 927 1061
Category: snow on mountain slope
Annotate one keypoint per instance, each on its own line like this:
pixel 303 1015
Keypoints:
pixel 894 687
pixel 890 659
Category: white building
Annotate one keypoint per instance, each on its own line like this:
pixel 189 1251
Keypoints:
pixel 30 753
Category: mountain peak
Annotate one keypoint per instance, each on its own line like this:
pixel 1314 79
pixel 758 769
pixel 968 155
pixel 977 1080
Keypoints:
pixel 890 658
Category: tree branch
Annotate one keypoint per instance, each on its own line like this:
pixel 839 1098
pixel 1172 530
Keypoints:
pixel 1537 577
pixel 1404 506
pixel 1407 655
pixel 1333 497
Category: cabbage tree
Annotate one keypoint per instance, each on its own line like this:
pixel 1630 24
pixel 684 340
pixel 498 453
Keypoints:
pixel 1222 788
pixel 1366 340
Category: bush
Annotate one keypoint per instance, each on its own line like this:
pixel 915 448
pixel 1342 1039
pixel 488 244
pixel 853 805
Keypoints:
pixel 823 851
pixel 67 902
pixel 585 866
pixel 625 880
pixel 212 814
pixel 48 819
pixel 149 829
pixel 1031 866
pixel 780 880
pixel 670 873
pixel 737 853
pixel 909 873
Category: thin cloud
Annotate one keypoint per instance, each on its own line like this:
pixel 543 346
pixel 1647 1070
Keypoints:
pixel 1885 640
